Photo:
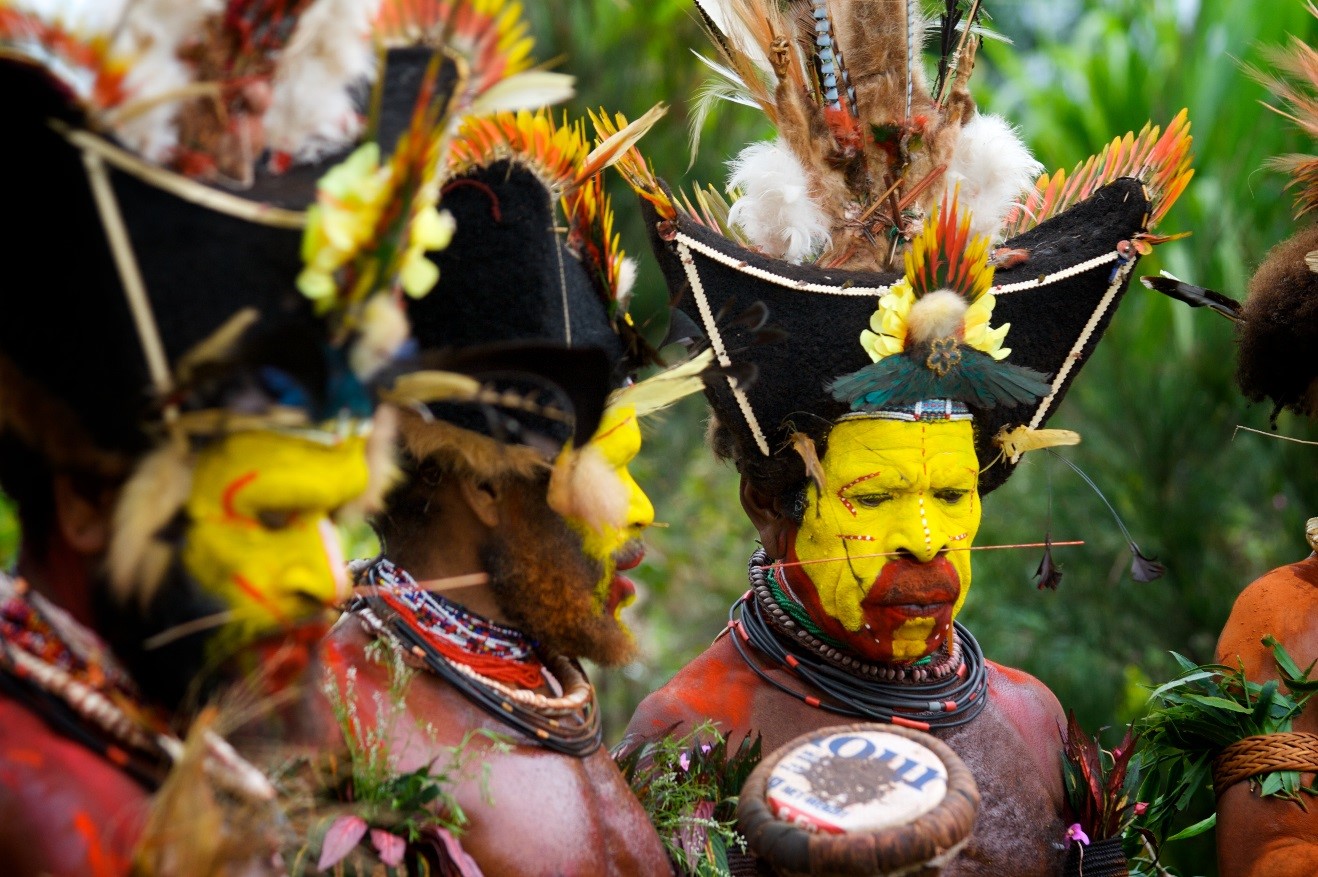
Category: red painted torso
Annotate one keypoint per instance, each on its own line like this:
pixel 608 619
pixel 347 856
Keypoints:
pixel 1013 748
pixel 1270 837
pixel 64 810
pixel 537 813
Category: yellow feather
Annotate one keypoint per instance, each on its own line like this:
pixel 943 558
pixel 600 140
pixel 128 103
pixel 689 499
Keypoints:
pixel 805 446
pixel 663 389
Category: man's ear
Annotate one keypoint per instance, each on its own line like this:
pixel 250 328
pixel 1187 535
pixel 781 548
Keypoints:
pixel 769 517
pixel 483 500
pixel 83 521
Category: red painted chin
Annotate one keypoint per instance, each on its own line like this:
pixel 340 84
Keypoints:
pixel 904 590
pixel 622 590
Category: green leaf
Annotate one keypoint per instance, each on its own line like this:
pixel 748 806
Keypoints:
pixel 1219 703
pixel 1194 830
pixel 1182 681
pixel 1284 661
pixel 1266 696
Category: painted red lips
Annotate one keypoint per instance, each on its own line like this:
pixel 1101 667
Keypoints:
pixel 904 583
pixel 621 588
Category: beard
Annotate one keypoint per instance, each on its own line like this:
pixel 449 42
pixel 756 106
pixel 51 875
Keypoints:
pixel 545 583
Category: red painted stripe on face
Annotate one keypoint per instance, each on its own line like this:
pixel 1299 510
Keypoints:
pixel 230 493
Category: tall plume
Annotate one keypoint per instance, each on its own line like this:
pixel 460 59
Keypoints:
pixel 843 82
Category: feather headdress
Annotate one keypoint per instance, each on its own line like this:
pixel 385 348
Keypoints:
pixel 1277 325
pixel 815 221
pixel 865 146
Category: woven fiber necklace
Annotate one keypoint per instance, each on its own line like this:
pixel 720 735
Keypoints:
pixel 65 674
pixel 568 723
pixel 948 693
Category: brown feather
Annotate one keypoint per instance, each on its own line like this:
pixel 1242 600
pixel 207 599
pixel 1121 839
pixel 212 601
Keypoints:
pixel 805 446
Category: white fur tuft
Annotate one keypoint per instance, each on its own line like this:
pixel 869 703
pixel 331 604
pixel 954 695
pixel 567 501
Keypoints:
pixel 775 210
pixel 312 112
pixel 994 168
pixel 586 487
pixel 938 314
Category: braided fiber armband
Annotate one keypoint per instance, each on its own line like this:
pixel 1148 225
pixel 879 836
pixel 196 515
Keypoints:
pixel 1264 753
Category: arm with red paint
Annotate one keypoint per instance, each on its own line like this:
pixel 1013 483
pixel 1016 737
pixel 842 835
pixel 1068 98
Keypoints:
pixel 716 686
pixel 1271 837
pixel 63 808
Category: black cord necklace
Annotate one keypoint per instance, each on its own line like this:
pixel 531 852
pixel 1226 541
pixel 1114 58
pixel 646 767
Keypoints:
pixel 924 705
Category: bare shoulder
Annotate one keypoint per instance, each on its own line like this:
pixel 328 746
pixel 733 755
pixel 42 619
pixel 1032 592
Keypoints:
pixel 1281 603
pixel 1028 704
pixel 716 685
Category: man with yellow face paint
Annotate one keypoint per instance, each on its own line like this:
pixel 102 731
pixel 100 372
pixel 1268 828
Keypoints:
pixel 179 423
pixel 505 545
pixel 863 467
pixel 907 504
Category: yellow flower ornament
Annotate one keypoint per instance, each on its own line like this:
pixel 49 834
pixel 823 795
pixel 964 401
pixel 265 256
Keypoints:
pixel 345 223
pixel 930 337
pixel 886 335
pixel 350 199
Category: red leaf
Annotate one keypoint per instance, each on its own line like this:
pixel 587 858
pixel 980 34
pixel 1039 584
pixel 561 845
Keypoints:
pixel 390 846
pixel 346 832
pixel 459 864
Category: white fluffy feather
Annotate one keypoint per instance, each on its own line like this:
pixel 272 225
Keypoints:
pixel 312 112
pixel 775 210
pixel 937 314
pixel 626 283
pixel 150 33
pixel 994 168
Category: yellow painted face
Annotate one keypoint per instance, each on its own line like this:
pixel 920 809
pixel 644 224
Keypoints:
pixel 614 541
pixel 904 490
pixel 260 537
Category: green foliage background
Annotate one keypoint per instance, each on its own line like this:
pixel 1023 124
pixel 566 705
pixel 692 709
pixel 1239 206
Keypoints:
pixel 1157 405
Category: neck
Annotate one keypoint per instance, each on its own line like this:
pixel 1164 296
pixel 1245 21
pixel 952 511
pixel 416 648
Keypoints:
pixel 61 575
pixel 458 576
pixel 474 598
pixel 443 554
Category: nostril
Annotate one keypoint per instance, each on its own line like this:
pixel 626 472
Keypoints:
pixel 906 554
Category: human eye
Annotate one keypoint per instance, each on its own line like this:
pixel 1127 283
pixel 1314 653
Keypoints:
pixel 871 500
pixel 278 519
pixel 950 495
